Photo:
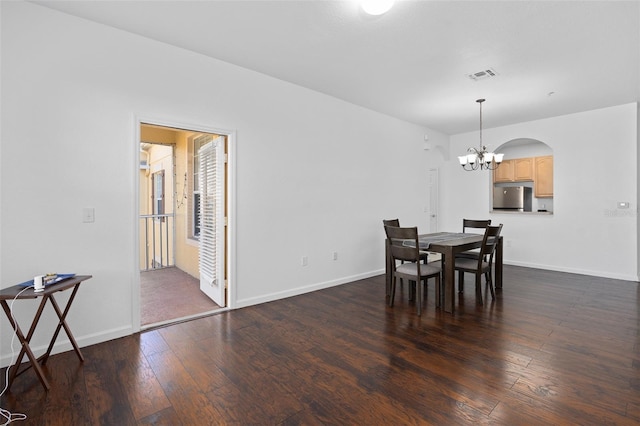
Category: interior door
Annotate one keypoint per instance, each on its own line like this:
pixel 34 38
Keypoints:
pixel 212 220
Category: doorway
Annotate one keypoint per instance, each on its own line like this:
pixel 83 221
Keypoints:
pixel 171 228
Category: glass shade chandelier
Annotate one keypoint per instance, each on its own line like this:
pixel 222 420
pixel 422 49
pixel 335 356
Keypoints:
pixel 479 158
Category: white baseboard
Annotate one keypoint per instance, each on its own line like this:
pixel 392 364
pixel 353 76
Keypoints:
pixel 593 273
pixel 243 303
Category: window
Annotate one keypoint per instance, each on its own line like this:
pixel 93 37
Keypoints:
pixel 158 193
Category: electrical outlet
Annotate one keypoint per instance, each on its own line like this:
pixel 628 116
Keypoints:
pixel 335 255
pixel 304 261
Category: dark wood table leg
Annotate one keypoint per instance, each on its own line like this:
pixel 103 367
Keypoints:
pixel 449 283
pixel 440 286
pixel 498 264
pixel 63 323
pixel 24 341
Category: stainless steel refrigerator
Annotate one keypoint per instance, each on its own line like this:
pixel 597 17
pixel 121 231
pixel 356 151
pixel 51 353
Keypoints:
pixel 515 198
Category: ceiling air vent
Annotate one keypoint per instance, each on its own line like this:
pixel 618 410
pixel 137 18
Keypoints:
pixel 483 75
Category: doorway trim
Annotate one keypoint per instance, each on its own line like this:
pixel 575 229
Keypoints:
pixel 231 207
pixel 433 217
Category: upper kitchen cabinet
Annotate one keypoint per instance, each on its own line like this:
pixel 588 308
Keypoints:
pixel 543 170
pixel 516 170
pixel 522 169
pixel 504 173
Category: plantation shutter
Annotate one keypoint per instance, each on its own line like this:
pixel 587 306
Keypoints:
pixel 211 157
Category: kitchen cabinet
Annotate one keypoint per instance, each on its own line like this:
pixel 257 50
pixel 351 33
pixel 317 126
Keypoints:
pixel 516 170
pixel 543 183
pixel 523 169
pixel 504 173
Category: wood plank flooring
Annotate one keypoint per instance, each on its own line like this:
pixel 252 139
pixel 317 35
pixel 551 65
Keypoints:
pixel 553 349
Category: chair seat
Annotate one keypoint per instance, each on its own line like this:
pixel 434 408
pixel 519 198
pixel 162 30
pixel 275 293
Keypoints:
pixel 470 264
pixel 412 269
pixel 469 254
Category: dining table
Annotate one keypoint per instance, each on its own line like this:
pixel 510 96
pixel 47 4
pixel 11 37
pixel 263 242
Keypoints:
pixel 448 244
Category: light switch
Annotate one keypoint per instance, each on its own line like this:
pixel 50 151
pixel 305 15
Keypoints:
pixel 88 215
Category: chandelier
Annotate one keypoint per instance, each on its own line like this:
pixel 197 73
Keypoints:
pixel 480 158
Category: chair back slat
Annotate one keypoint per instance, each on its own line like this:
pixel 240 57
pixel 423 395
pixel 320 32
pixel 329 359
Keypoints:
pixel 475 224
pixel 391 222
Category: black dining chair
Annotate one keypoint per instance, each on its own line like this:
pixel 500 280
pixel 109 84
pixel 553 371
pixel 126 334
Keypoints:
pixel 424 256
pixel 483 264
pixel 410 267
pixel 471 224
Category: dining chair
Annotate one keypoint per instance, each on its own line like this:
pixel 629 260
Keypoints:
pixel 424 256
pixel 483 264
pixel 410 268
pixel 471 254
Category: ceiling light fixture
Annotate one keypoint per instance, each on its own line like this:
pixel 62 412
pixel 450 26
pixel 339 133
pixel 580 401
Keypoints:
pixel 480 158
pixel 376 7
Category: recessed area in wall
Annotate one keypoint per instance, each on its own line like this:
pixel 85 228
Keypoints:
pixel 527 164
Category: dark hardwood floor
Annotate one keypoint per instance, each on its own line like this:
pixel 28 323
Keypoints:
pixel 554 348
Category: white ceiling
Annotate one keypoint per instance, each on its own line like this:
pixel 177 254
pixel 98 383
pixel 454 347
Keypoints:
pixel 413 62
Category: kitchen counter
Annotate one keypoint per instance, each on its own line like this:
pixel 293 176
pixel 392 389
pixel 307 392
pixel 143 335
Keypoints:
pixel 522 213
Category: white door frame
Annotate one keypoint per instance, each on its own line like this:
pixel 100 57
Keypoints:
pixel 231 207
pixel 433 200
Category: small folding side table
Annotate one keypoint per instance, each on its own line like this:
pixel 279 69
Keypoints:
pixel 14 292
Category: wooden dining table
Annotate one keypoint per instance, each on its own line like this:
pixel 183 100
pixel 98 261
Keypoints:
pixel 448 244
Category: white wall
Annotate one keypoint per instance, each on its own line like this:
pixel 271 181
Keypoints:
pixel 595 166
pixel 313 174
